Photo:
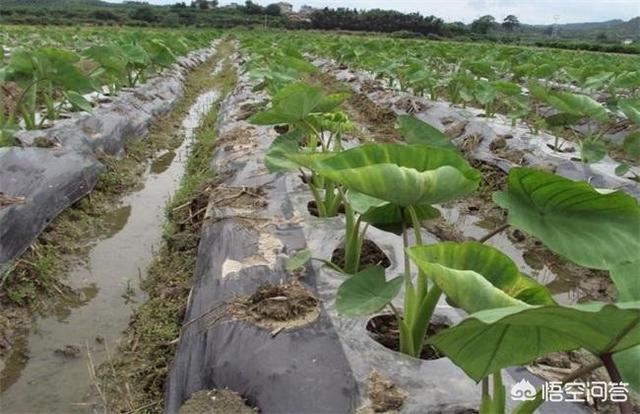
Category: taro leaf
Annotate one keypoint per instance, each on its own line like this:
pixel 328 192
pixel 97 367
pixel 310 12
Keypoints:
pixel 577 105
pixel 366 292
pixel 592 150
pixel 416 131
pixel 631 108
pixel 402 174
pixel 506 87
pixel 276 158
pixel 625 277
pixel 298 260
pixel 493 339
pixel 476 277
pixel 627 280
pixel 627 362
pixel 385 215
pixel 572 218
pixel 622 169
pixel 538 91
pixel 78 101
pixel 561 119
pixel 291 104
pixel 330 102
pixel 628 80
pixel 134 54
pixel 485 93
pixel 631 144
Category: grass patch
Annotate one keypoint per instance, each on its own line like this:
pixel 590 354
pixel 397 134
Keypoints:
pixel 134 379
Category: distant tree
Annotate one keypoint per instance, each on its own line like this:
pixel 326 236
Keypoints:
pixel 602 37
pixel 105 15
pixel 179 6
pixel 484 24
pixel 458 28
pixel 145 14
pixel 171 20
pixel 511 23
pixel 252 8
pixel 272 10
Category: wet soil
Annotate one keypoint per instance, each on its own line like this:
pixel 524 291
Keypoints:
pixel 384 330
pixel 216 402
pixel 370 255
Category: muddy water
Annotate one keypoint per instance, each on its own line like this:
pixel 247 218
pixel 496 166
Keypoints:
pixel 55 376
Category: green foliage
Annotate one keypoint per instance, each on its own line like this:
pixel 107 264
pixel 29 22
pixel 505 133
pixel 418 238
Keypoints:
pixel 366 292
pixel 477 277
pixel 573 219
pixel 402 174
pixel 493 339
pixel 416 131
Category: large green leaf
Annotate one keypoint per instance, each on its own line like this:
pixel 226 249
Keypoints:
pixel 627 281
pixel 402 174
pixel 476 277
pixel 631 108
pixel 330 102
pixel 592 150
pixel 386 215
pixel 572 218
pixel 490 340
pixel 577 105
pixel 366 292
pixel 276 159
pixel 291 104
pixel 631 144
pixel 415 131
pixel 78 101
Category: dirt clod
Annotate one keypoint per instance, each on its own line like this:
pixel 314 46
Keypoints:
pixel 278 306
pixel 69 351
pixel 385 396
pixel 410 105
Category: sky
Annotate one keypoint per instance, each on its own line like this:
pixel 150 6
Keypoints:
pixel 528 11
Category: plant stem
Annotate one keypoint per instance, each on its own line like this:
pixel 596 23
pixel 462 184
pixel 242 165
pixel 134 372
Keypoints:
pixel 607 359
pixel 406 339
pixel 493 233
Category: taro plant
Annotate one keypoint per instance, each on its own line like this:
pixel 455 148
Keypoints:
pixel 574 220
pixel 43 75
pixel 313 124
pixel 396 185
pixel 466 272
pixel 573 108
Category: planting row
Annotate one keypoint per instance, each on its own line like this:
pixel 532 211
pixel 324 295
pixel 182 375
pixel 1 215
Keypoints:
pixel 467 75
pixel 56 167
pixel 46 74
pixel 253 313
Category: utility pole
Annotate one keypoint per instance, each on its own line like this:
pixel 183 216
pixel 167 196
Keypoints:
pixel 554 32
